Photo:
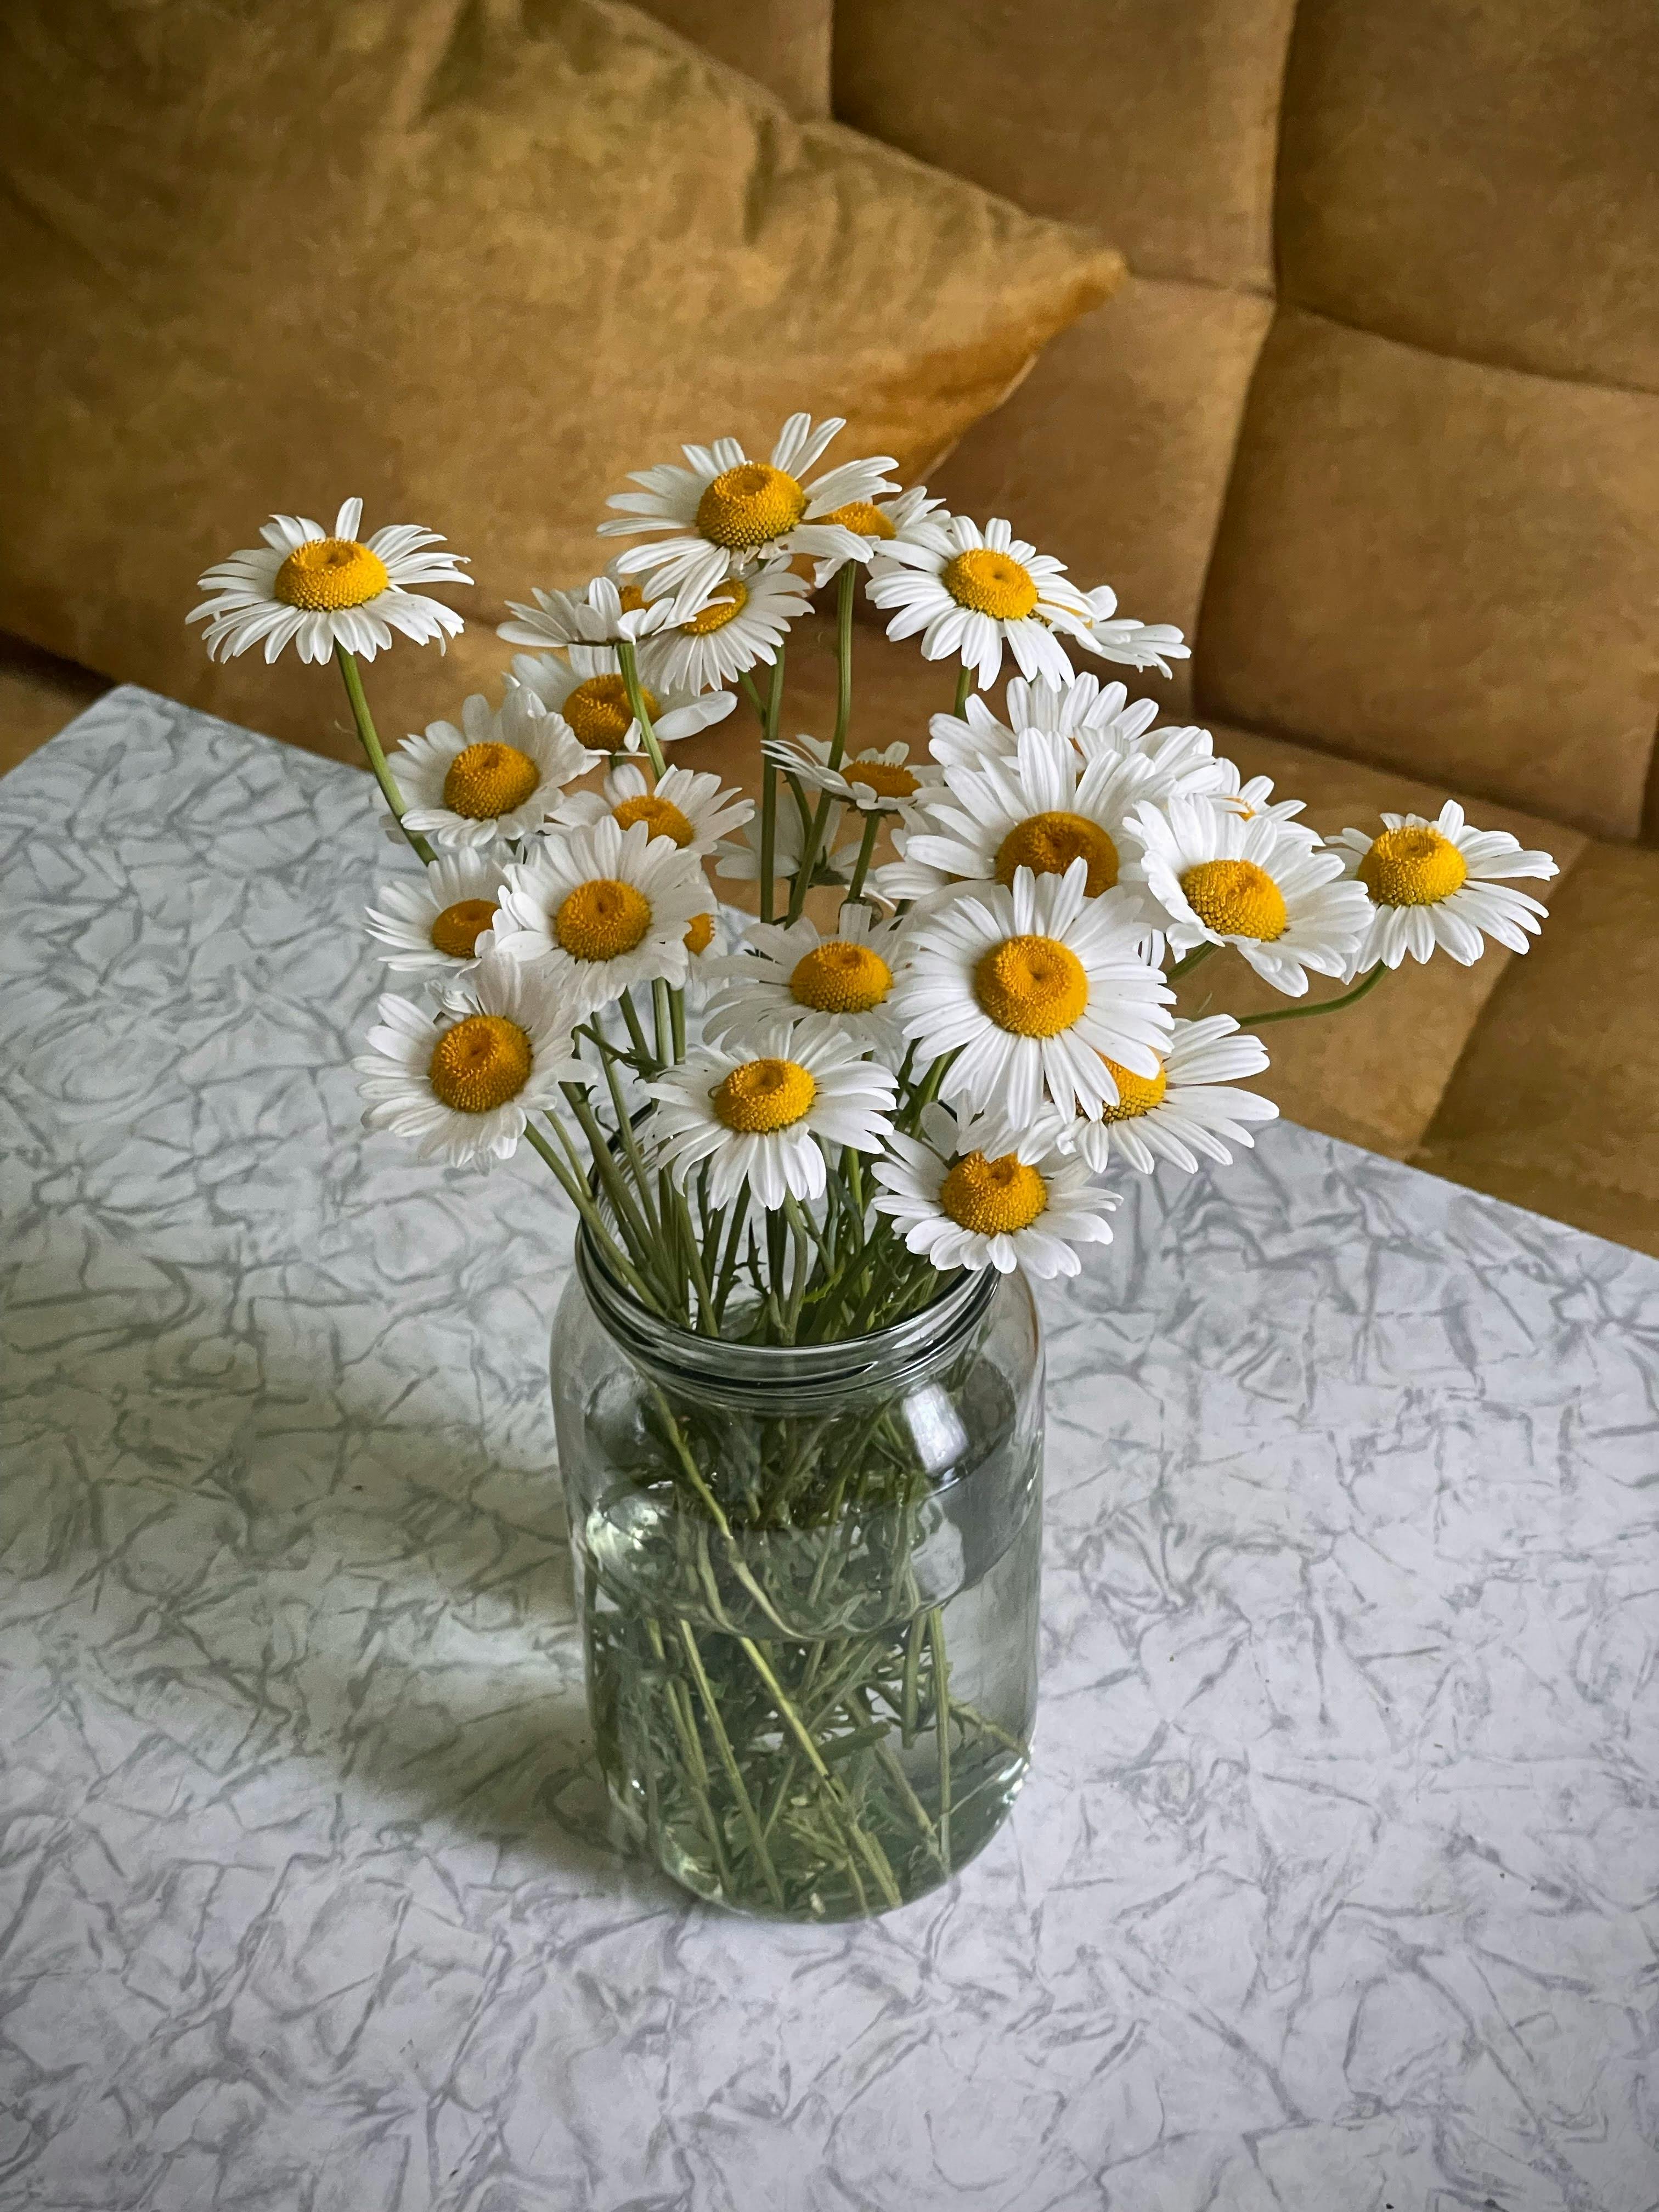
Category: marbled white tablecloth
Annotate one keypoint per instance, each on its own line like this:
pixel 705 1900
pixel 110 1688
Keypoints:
pixel 1335 1886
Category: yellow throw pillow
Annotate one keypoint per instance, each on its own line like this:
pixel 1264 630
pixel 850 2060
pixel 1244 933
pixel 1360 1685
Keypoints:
pixel 473 260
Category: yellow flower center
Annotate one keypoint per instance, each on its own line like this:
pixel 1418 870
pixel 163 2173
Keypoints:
pixel 488 780
pixel 663 816
pixel 839 978
pixel 602 919
pixel 326 573
pixel 456 930
pixel 727 603
pixel 633 598
pixel 1412 867
pixel 1048 844
pixel 599 712
pixel 861 516
pixel 480 1064
pixel 1136 1094
pixel 1235 898
pixel 701 935
pixel 1032 987
pixel 887 779
pixel 992 1197
pixel 750 506
pixel 763 1095
pixel 991 584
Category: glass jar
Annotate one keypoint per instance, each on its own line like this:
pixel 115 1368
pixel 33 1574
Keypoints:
pixel 808 1579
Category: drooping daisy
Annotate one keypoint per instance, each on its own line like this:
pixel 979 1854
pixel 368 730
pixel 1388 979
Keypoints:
pixel 692 807
pixel 970 592
pixel 1187 1108
pixel 740 625
pixel 307 588
pixel 739 857
pixel 706 943
pixel 431 923
pixel 601 612
pixel 724 511
pixel 833 983
pixel 1435 884
pixel 1256 885
pixel 1132 644
pixel 601 909
pixel 1035 811
pixel 878 781
pixel 463 1085
pixel 961 1202
pixel 500 774
pixel 1033 986
pixel 761 1114
pixel 1229 791
pixel 875 521
pixel 587 689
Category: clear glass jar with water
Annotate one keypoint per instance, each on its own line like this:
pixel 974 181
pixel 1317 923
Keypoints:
pixel 808 1577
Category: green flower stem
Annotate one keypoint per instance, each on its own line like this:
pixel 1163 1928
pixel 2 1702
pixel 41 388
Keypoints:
pixel 1198 954
pixel 872 1853
pixel 941 1728
pixel 845 584
pixel 769 838
pixel 867 854
pixel 1325 1005
pixel 577 1193
pixel 694 1766
pixel 641 1044
pixel 964 685
pixel 729 1761
pixel 628 663
pixel 771 716
pixel 371 744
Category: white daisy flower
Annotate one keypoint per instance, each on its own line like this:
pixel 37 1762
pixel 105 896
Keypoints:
pixel 464 1083
pixel 761 1114
pixel 741 623
pixel 725 512
pixel 500 774
pixel 601 612
pixel 1132 644
pixel 432 923
pixel 970 1198
pixel 307 588
pixel 601 909
pixel 1038 810
pixel 691 807
pixel 875 521
pixel 1032 987
pixel 588 691
pixel 1256 885
pixel 707 942
pixel 970 592
pixel 1095 716
pixel 1435 883
pixel 1187 1108
pixel 878 781
pixel 832 982
pixel 1228 790
pixel 739 857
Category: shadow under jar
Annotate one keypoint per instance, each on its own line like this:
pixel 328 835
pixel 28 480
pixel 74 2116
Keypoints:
pixel 808 1577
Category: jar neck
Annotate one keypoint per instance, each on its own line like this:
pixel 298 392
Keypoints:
pixel 886 1357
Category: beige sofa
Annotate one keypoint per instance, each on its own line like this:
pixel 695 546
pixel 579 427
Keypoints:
pixel 1376 420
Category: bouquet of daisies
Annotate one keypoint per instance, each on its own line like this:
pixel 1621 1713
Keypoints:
pixel 930 1065
pixel 946 1026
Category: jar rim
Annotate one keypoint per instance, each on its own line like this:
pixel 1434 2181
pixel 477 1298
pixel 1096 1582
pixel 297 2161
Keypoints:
pixel 886 1355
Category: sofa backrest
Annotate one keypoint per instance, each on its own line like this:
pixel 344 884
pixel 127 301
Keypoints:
pixel 1378 419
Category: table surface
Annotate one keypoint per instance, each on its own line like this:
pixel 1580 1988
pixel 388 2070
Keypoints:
pixel 1333 1885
